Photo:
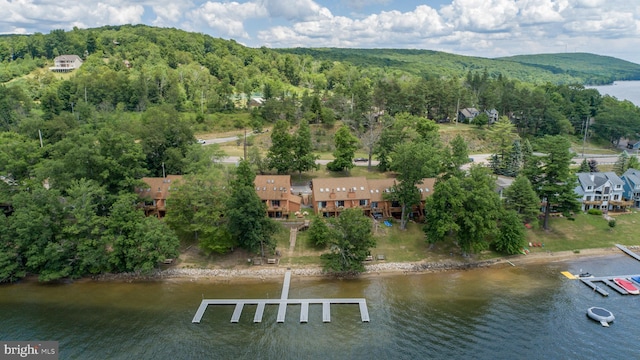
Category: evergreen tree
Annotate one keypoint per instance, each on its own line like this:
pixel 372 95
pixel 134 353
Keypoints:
pixel 246 214
pixel 620 166
pixel 556 187
pixel 584 166
pixel 521 198
pixel 280 155
pixel 511 236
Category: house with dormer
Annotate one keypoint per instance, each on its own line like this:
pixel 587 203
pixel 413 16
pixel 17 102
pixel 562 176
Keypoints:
pixel 631 179
pixel 276 192
pixel 601 190
pixel 155 192
pixel 333 195
pixel 373 196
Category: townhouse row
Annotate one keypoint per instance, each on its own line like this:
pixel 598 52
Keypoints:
pixel 327 197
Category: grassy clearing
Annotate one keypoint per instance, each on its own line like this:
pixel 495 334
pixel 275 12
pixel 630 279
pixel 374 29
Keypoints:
pixel 586 232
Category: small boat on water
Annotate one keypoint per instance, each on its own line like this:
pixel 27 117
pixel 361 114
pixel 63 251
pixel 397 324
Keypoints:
pixel 627 286
pixel 603 316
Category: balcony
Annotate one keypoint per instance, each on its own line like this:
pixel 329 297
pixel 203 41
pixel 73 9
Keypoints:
pixel 592 202
pixel 621 203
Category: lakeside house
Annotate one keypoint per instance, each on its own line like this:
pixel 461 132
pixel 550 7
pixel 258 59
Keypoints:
pixel 66 63
pixel 631 179
pixel 155 194
pixel 603 191
pixel 330 196
pixel 276 192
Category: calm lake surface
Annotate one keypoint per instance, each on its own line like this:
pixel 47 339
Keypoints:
pixel 621 90
pixel 503 312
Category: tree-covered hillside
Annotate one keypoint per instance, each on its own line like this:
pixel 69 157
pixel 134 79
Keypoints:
pixel 594 69
pixel 575 68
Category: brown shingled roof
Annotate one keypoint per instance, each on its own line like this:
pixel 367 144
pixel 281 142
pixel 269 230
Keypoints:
pixel 273 187
pixel 340 188
pixel 157 187
pixel 377 187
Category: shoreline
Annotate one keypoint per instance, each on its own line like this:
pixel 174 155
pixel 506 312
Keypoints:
pixel 373 270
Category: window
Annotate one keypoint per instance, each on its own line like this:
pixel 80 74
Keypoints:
pixel 340 203
pixel 588 198
pixel 616 197
pixel 275 203
pixel 363 202
pixel 395 204
pixel 322 204
pixel 588 187
pixel 374 204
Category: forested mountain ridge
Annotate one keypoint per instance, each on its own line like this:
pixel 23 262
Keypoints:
pixel 564 68
pixel 595 69
pixel 20 54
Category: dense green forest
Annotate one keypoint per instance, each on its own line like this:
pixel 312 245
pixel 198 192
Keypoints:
pixel 74 145
pixel 568 68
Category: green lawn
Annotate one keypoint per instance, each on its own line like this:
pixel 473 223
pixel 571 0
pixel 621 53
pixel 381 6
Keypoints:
pixel 587 232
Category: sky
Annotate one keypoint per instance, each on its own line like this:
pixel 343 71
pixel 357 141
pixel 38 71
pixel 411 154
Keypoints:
pixel 485 28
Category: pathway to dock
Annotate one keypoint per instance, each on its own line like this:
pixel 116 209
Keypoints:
pixel 292 240
pixel 282 306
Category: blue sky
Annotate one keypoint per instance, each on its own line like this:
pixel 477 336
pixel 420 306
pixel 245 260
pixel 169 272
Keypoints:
pixel 486 28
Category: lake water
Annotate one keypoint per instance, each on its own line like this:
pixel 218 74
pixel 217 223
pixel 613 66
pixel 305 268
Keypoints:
pixel 621 90
pixel 503 312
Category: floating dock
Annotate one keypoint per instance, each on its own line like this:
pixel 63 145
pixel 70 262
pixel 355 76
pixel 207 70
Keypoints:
pixel 282 303
pixel 607 280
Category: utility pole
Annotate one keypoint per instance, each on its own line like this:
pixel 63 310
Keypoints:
pixel 245 144
pixel 584 139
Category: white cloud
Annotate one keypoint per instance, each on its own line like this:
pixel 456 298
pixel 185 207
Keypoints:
pixel 227 19
pixel 481 15
pixel 299 10
pixel 66 14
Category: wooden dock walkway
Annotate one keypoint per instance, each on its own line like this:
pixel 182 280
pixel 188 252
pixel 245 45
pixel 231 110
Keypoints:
pixel 282 303
pixel 628 252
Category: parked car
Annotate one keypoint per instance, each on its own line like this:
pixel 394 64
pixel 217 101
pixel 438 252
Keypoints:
pixel 200 141
pixel 360 159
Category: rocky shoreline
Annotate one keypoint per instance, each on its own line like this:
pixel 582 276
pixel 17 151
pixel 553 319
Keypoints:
pixel 278 271
pixel 382 268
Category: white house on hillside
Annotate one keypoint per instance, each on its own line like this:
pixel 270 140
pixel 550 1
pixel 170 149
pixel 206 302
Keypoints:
pixel 66 63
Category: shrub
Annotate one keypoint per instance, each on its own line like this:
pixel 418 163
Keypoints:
pixel 594 212
pixel 612 223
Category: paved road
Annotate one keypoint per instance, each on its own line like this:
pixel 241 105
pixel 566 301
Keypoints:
pixel 222 140
pixel 601 159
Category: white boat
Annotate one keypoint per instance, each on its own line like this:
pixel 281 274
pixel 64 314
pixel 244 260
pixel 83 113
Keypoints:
pixel 601 315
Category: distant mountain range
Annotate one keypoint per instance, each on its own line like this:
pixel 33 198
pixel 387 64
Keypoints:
pixel 563 68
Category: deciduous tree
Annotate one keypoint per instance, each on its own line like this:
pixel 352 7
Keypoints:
pixel 346 146
pixel 350 244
